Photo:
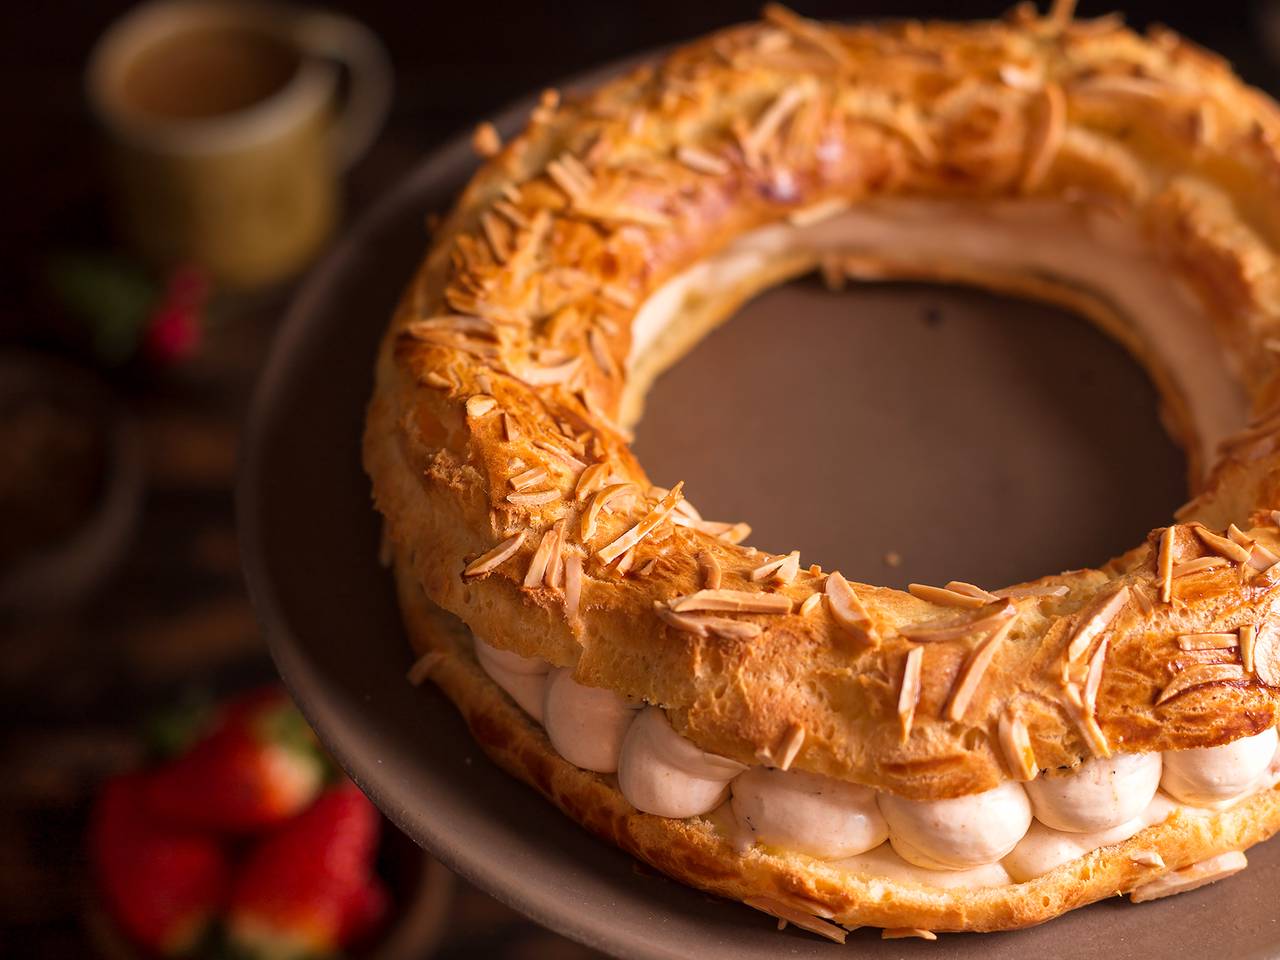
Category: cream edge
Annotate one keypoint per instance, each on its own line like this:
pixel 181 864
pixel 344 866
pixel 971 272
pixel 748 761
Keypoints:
pixel 998 837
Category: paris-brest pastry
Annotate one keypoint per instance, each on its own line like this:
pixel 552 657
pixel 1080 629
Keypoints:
pixel 839 754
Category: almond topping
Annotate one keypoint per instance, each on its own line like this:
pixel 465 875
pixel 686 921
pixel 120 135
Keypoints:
pixel 847 608
pixel 532 476
pixel 789 914
pixel 495 557
pixel 1207 641
pixel 509 428
pixel 909 690
pixel 810 604
pixel 710 567
pixel 929 634
pixel 536 498
pixel 903 933
pixel 1189 878
pixel 738 601
pixel 969 590
pixel 708 626
pixel 593 478
pixel 1015 742
pixel 1034 590
pixel 973 670
pixel 572 586
pixel 597 503
pixel 1260 558
pixel 779 570
pixel 944 597
pixel 789 746
pixel 1096 623
pixel 1045 136
pixel 1248 634
pixel 541 557
pixel 660 512
pixel 700 161
pixel 1222 545
pixel 1198 675
pixel 479 405
pixel 1147 858
pixel 1164 565
pixel 1198 565
pixel 1266 654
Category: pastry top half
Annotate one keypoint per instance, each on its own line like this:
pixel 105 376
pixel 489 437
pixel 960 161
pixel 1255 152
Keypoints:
pixel 497 443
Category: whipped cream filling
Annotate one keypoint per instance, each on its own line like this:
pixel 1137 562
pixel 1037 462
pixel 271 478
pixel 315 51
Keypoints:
pixel 808 813
pixel 1011 834
pixel 1098 795
pixel 662 773
pixel 1214 776
pixel 958 833
pixel 586 725
pixel 1072 245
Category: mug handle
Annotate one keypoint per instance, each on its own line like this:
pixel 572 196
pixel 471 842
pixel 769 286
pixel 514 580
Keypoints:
pixel 358 48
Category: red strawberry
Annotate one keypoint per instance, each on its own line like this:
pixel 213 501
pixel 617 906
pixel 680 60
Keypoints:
pixel 162 885
pixel 309 888
pixel 258 766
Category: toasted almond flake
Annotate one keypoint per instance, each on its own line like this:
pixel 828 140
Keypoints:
pixel 625 561
pixel 1189 878
pixel 660 512
pixel 537 571
pixel 1260 558
pixel 971 674
pixel 648 567
pixel 771 119
pixel 1097 622
pixel 485 140
pixel 496 235
pixel 944 597
pixel 541 375
pixel 970 590
pixel 618 295
pixel 479 405
pixel 805 921
pixel 735 532
pixel 1015 742
pixel 1207 641
pixel 1147 858
pixel 532 476
pixel 422 667
pixel 495 557
pixel 598 502
pixel 1164 564
pixel 909 690
pixel 1248 634
pixel 789 746
pixel 600 351
pixel 1088 723
pixel 847 609
pixel 1044 137
pixel 535 498
pixel 810 604
pixel 1266 654
pixel 710 568
pixel 817 212
pixel 511 214
pixel 1222 545
pixel 705 626
pixel 1034 590
pixel 509 428
pixel 1198 675
pixel 575 189
pixel 737 601
pixel 903 933
pixel 555 565
pixel 700 161
pixel 434 379
pixel 566 459
pixel 779 570
pixel 1093 678
pixel 572 586
pixel 593 478
pixel 924 633
pixel 809 31
pixel 1143 600
pixel 1275 517
pixel 1198 565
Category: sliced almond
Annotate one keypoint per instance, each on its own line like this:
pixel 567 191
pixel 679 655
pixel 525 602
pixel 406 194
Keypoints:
pixel 805 921
pixel 847 608
pixel 1096 623
pixel 925 633
pixel 1222 545
pixel 1164 564
pixel 601 499
pixel 494 558
pixel 660 512
pixel 572 586
pixel 1248 635
pixel 909 690
pixel 1207 641
pixel 1015 743
pixel 1198 565
pixel 944 597
pixel 970 590
pixel 1197 675
pixel 810 604
pixel 737 601
pixel 1189 878
pixel 971 674
pixel 903 933
pixel 1266 654
pixel 541 557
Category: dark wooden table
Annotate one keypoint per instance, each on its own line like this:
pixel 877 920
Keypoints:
pixel 173 618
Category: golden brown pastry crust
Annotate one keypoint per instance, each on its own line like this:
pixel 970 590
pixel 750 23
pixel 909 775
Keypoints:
pixel 507 354
pixel 694 852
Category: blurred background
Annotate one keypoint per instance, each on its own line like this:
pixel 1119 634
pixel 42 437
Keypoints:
pixel 135 313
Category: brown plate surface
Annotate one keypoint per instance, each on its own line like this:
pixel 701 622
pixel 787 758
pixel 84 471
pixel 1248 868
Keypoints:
pixel 975 437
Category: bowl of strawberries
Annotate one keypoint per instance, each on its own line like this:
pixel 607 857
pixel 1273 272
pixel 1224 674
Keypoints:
pixel 244 842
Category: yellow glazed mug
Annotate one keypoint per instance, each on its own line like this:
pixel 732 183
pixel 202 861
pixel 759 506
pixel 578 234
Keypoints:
pixel 226 141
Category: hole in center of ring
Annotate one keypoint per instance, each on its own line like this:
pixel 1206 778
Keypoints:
pixel 912 432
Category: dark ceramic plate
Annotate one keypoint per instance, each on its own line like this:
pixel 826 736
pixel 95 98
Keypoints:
pixel 977 438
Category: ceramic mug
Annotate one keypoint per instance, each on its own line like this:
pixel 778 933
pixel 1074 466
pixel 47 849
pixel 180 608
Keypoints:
pixel 226 140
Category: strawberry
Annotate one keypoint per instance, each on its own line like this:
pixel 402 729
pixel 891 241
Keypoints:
pixel 309 888
pixel 162 885
pixel 257 766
